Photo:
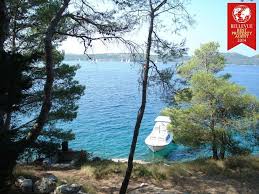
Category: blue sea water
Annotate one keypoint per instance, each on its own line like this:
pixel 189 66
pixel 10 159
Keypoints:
pixel 108 110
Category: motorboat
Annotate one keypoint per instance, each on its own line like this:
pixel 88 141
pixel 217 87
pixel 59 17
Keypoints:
pixel 159 138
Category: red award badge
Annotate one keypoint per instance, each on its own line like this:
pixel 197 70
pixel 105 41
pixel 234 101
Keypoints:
pixel 242 24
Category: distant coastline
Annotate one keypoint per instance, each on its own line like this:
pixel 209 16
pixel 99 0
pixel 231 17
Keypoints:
pixel 231 58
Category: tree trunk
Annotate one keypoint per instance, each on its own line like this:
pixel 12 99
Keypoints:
pixel 46 105
pixel 222 152
pixel 12 150
pixel 4 24
pixel 141 111
pixel 4 28
pixel 214 140
pixel 7 124
pixel 7 154
pixel 8 159
pixel 215 150
pixel 222 146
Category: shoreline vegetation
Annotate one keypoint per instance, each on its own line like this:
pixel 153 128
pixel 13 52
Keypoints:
pixel 39 91
pixel 231 58
pixel 239 174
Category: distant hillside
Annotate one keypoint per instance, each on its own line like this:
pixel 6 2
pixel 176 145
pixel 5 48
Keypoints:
pixel 103 57
pixel 231 58
pixel 238 59
pixel 111 57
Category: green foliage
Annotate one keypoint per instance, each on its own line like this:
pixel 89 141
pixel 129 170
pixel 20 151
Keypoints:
pixel 28 23
pixel 142 171
pixel 207 58
pixel 241 168
pixel 212 110
pixel 66 93
pixel 47 143
pixel 14 78
pixel 105 168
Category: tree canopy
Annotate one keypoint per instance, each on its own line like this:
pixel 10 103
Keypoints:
pixel 41 90
pixel 212 110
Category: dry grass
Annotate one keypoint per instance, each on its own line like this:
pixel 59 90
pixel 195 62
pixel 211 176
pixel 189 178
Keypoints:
pixel 234 175
pixel 243 167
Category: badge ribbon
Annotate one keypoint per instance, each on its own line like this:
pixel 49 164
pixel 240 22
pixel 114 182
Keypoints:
pixel 242 24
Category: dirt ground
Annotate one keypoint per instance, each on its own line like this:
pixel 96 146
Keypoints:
pixel 191 184
pixel 206 176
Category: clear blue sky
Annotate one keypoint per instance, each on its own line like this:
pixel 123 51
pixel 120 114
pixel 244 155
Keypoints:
pixel 211 25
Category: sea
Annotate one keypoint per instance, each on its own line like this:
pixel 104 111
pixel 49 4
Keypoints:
pixel 108 110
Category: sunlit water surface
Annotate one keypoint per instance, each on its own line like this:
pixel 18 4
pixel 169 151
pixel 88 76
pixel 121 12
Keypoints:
pixel 108 109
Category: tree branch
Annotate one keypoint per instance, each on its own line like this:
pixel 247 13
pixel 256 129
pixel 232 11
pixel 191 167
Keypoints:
pixel 160 5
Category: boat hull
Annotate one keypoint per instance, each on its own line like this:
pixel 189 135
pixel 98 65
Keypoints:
pixel 159 137
pixel 156 148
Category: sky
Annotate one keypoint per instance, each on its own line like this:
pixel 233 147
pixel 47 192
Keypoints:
pixel 210 25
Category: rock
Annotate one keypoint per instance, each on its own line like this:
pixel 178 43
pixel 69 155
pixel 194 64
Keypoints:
pixel 46 162
pixel 24 184
pixel 19 181
pixel 68 189
pixel 63 182
pixel 151 189
pixel 73 162
pixel 143 185
pixel 81 192
pixel 61 165
pixel 47 184
pixel 51 177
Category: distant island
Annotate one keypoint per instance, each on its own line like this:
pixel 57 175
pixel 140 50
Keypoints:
pixel 231 58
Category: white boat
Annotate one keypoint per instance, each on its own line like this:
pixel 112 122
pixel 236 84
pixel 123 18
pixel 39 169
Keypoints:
pixel 159 138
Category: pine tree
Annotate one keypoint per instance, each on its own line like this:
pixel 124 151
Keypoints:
pixel 212 110
pixel 37 28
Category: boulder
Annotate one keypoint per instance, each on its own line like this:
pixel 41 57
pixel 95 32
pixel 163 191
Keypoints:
pixel 46 184
pixel 68 189
pixel 81 192
pixel 143 185
pixel 62 166
pixel 46 162
pixel 19 181
pixel 63 182
pixel 24 184
pixel 73 162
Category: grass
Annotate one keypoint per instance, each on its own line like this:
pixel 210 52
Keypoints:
pixel 102 169
pixel 87 187
pixel 106 168
pixel 241 167
pixel 25 171
pixel 107 173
